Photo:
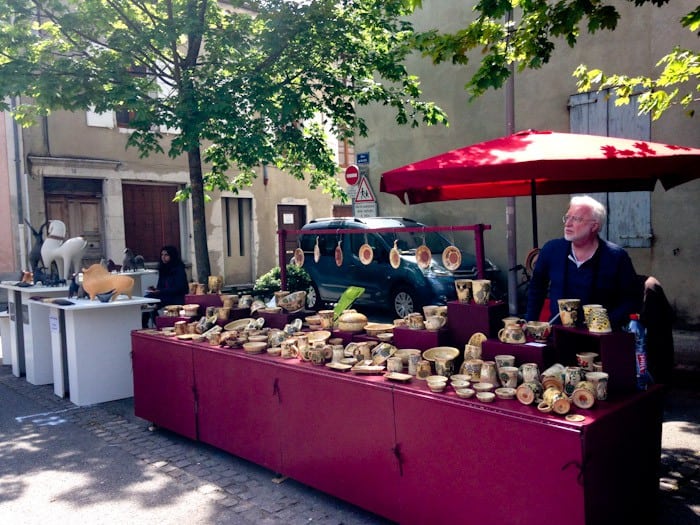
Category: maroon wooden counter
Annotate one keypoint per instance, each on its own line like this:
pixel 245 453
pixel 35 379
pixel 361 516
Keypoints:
pixel 401 451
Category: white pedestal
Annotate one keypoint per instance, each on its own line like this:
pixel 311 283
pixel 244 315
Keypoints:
pixel 5 336
pixel 30 341
pixel 91 345
pixel 142 280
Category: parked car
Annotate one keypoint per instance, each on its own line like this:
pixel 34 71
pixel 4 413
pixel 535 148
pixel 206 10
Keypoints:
pixel 402 290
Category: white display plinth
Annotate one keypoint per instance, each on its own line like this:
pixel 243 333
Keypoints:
pixel 30 341
pixel 142 280
pixel 91 347
pixel 5 337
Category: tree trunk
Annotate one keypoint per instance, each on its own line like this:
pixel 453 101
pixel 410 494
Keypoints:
pixel 199 226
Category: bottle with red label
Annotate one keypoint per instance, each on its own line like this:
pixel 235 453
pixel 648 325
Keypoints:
pixel 635 327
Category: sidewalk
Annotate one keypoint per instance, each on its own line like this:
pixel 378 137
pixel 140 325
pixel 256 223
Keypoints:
pixel 101 464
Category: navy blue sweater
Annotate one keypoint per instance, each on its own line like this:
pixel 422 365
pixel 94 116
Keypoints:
pixel 607 278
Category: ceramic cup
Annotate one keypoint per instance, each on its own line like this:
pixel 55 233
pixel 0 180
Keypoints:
pixel 472 368
pixel 568 311
pixel 597 366
pixel 530 372
pixel 585 360
pixel 394 364
pixel 573 376
pixel 444 367
pixel 587 308
pixel 599 321
pixel 326 319
pixel 600 382
pixel 430 310
pixel 508 376
pixel 289 349
pixel 413 360
pixel 504 360
pixel 415 321
pixel 423 369
pixel 464 290
pixel 488 373
pixel 481 289
pixel 584 395
pixel 471 352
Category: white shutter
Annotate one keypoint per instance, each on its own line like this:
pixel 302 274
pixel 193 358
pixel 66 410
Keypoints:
pixel 629 213
pixel 100 120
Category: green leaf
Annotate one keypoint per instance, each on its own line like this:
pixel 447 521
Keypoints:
pixel 346 299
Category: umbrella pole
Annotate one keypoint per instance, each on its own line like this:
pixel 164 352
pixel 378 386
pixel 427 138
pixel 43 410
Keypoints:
pixel 510 201
pixel 533 203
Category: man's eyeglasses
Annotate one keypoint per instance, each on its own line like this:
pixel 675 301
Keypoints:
pixel 576 219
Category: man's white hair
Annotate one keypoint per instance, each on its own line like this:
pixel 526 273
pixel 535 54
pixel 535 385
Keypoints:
pixel 599 212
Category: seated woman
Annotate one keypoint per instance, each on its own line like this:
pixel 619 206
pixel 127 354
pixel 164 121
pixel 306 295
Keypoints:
pixel 172 282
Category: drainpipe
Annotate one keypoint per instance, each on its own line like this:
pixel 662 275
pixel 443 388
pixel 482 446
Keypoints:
pixel 20 187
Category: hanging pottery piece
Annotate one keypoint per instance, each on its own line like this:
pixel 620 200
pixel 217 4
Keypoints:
pixel 423 257
pixel 317 251
pixel 299 257
pixel 366 254
pixel 338 255
pixel 395 256
pixel 451 258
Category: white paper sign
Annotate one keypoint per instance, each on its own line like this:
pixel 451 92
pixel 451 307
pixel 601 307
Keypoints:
pixel 287 218
pixel 53 324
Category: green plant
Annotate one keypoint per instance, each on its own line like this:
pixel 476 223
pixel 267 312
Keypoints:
pixel 270 282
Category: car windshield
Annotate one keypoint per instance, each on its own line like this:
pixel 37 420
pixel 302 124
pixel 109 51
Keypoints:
pixel 410 241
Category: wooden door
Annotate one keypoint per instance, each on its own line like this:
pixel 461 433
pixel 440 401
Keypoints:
pixel 82 216
pixel 151 219
pixel 291 218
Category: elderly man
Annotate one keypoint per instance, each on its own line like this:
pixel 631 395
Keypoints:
pixel 584 266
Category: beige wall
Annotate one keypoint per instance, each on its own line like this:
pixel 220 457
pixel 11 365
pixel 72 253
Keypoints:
pixel 8 198
pixel 541 96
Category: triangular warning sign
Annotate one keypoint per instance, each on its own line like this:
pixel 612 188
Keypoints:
pixel 364 192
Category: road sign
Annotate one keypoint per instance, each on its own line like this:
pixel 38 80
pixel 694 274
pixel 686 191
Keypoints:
pixel 362 158
pixel 352 174
pixel 364 192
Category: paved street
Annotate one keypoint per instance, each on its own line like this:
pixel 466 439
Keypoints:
pixel 101 465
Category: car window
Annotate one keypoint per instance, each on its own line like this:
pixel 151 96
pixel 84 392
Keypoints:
pixel 409 241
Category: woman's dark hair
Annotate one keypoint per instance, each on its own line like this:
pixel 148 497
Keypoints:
pixel 174 257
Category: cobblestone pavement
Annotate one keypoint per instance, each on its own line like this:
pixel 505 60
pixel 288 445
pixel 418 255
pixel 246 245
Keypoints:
pixel 246 493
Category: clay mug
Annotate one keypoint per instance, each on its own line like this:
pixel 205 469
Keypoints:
pixel 585 360
pixel 464 290
pixel 444 367
pixel 361 351
pixel 338 353
pixel 394 364
pixel 568 311
pixel 538 330
pixel 317 355
pixel 423 369
pixel 302 342
pixel 435 322
pixel 289 348
pixel 513 319
pixel 413 360
pixel 599 322
pixel 482 290
pixel 530 372
pixel 584 395
pixel 512 333
pixel 223 313
pixel 199 289
pixel 429 310
pixel 504 360
pixel 551 394
pixel 599 380
pixel 557 371
pixel 508 375
pixel 472 368
pixel 415 321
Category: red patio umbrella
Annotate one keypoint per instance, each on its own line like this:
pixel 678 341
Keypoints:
pixel 542 163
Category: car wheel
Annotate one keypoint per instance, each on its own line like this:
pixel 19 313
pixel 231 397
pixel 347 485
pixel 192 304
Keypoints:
pixel 403 301
pixel 313 298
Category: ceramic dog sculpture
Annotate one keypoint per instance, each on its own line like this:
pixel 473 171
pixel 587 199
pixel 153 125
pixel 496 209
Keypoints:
pixel 97 280
pixel 66 254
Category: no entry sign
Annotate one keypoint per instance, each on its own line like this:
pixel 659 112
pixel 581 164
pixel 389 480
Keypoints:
pixel 352 174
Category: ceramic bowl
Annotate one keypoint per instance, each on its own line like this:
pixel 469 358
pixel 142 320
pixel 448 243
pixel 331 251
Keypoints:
pixel 293 302
pixel 254 347
pixel 404 354
pixel 440 352
pixel 485 397
pixel 437 387
pixel 505 393
pixel 483 387
pixel 459 384
pixel 465 393
pixel 385 337
pixel 318 336
pixel 277 350
pixel 375 329
pixel 436 379
pixel 460 377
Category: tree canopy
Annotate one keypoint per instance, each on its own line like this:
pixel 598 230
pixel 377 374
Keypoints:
pixel 244 83
pixel 530 37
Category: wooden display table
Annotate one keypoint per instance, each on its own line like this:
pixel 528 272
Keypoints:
pixel 280 320
pixel 90 348
pixel 166 321
pixel 542 354
pixel 615 351
pixel 465 319
pixel 204 301
pixel 29 331
pixel 421 339
pixel 401 451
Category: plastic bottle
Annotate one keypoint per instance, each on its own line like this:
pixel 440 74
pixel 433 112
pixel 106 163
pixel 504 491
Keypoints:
pixel 635 327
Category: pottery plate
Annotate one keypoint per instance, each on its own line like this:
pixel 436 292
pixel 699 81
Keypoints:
pixel 366 254
pixel 338 255
pixel 423 256
pixel 397 376
pixel 451 258
pixel 440 352
pixel 395 257
pixel 368 369
pixel 341 367
pixel 239 324
pixel 299 257
pixel 505 393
